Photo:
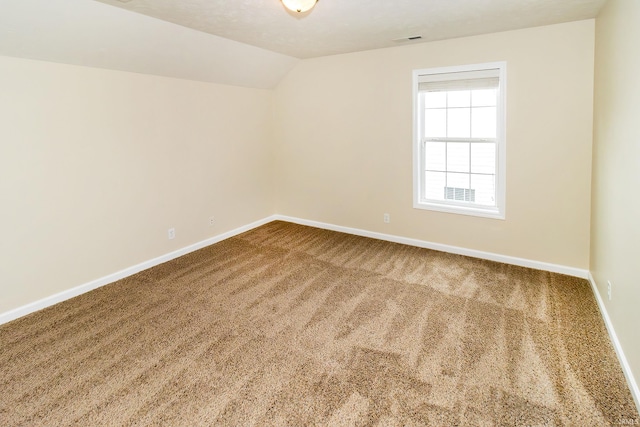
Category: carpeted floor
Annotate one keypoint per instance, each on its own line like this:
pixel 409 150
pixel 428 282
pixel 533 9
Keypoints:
pixel 292 325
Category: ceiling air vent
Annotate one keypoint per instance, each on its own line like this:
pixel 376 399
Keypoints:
pixel 407 39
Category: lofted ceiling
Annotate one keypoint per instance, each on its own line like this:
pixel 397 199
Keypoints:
pixel 251 43
pixel 341 26
pixel 88 33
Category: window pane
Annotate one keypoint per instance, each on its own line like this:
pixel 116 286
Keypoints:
pixel 485 190
pixel 435 155
pixel 434 185
pixel 458 123
pixel 435 122
pixel 435 99
pixel 458 157
pixel 458 180
pixel 484 97
pixel 483 122
pixel 459 98
pixel 459 137
pixel 483 157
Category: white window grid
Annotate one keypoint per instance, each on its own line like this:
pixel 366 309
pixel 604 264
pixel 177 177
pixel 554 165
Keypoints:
pixel 496 209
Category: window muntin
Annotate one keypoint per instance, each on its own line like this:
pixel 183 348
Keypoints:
pixel 459 153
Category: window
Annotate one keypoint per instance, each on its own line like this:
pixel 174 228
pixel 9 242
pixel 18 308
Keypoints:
pixel 459 151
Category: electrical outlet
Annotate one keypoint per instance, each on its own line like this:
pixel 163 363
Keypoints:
pixel 609 289
pixel 212 221
pixel 386 218
pixel 171 233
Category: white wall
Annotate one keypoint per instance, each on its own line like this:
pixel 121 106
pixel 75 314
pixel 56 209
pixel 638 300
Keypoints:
pixel 96 165
pixel 615 227
pixel 344 142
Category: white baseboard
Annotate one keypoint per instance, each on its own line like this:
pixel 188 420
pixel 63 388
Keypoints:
pixel 78 290
pixel 571 271
pixel 633 385
pixel 538 265
pixel 94 284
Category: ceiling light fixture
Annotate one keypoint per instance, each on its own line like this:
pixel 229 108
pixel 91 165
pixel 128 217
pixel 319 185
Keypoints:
pixel 299 6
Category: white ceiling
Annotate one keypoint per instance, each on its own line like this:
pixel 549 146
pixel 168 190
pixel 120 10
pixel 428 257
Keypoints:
pixel 341 26
pixel 251 43
pixel 88 33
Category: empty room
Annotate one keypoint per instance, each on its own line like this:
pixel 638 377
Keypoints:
pixel 333 212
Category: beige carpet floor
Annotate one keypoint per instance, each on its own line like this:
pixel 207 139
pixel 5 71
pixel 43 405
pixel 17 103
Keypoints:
pixel 292 325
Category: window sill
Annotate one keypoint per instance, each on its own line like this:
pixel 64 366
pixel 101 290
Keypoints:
pixel 494 213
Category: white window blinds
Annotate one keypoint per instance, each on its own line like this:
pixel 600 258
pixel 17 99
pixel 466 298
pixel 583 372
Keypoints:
pixel 459 152
pixel 469 80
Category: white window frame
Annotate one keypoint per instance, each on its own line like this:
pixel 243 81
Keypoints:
pixel 451 206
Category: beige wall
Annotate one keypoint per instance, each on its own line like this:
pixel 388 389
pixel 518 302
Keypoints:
pixel 615 227
pixel 96 165
pixel 344 142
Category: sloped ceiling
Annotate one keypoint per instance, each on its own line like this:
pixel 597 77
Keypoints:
pixel 251 43
pixel 85 32
pixel 341 26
